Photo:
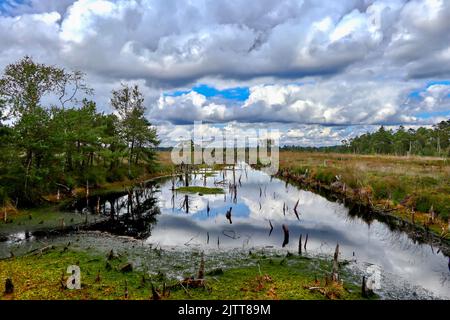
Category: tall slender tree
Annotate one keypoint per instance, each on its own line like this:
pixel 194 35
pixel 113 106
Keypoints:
pixel 135 129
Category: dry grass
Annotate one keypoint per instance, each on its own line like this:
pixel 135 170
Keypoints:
pixel 405 184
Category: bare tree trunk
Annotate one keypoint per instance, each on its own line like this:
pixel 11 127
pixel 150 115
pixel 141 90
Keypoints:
pixel 97 208
pixel 438 145
pixel 29 161
pixel 130 158
pixel 87 193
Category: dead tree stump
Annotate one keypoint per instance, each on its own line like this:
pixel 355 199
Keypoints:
pixel 366 292
pixel 201 269
pixel 300 245
pixel 335 271
pixel 9 286
pixel 286 235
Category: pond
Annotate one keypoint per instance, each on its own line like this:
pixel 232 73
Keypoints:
pixel 252 215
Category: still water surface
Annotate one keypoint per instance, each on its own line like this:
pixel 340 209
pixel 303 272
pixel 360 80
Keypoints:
pixel 199 221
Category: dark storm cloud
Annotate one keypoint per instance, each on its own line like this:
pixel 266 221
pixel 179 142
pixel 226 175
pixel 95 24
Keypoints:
pixel 174 43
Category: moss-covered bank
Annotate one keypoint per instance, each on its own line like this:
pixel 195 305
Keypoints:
pixel 42 275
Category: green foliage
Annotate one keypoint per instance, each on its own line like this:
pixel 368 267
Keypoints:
pixel 388 187
pixel 423 142
pixel 440 203
pixel 45 148
pixel 134 128
pixel 325 175
pixel 116 174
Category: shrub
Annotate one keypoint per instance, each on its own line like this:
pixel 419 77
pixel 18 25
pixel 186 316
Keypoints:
pixel 427 182
pixel 440 203
pixel 351 177
pixel 326 175
pixel 116 174
pixel 299 170
pixel 95 176
pixel 388 187
pixel 3 196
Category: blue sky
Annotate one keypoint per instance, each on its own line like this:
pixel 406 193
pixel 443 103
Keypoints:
pixel 237 93
pixel 7 6
pixel 416 93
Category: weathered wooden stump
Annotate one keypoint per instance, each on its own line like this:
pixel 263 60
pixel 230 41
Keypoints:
pixel 9 286
pixel 335 271
pixel 111 255
pixel 366 292
pixel 98 279
pixel 126 294
pixel 201 269
pixel 286 235
pixel 127 267
pixel 155 294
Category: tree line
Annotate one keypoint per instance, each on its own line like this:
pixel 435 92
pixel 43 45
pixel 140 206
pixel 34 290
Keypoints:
pixel 51 140
pixel 434 141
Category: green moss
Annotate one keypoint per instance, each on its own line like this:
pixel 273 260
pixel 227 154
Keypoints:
pixel 202 190
pixel 41 219
pixel 274 279
pixel 41 277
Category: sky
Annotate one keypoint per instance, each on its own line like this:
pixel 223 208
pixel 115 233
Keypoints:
pixel 317 71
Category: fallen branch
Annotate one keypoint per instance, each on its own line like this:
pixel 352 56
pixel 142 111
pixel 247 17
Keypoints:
pixel 295 209
pixel 39 250
pixel 187 292
pixel 315 288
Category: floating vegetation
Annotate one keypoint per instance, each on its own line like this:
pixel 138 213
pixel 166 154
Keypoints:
pixel 200 190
